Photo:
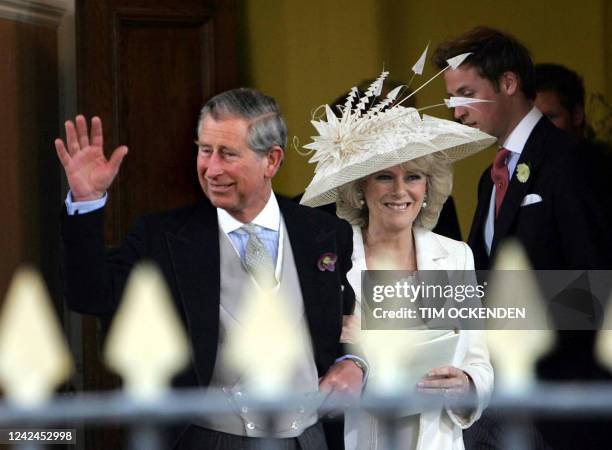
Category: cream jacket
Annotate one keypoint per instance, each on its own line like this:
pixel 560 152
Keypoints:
pixel 440 429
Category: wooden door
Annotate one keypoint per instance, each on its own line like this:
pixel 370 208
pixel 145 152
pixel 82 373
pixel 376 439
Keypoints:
pixel 146 67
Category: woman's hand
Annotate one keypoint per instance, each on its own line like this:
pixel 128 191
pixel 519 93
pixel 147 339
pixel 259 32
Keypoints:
pixel 446 380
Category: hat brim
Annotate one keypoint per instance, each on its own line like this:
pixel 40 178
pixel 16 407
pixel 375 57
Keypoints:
pixel 459 142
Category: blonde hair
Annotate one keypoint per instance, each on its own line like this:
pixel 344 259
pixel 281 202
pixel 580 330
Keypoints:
pixel 438 171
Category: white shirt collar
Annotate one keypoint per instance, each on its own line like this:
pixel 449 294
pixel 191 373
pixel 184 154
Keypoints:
pixel 268 217
pixel 518 137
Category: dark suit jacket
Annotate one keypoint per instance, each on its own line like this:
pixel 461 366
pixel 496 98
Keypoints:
pixel 184 244
pixel 567 230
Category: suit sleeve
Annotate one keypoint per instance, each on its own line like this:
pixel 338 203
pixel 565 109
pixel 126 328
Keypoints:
pixel 94 278
pixel 580 216
pixel 345 247
pixel 476 362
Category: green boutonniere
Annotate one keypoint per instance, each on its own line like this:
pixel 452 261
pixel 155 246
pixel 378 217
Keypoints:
pixel 522 172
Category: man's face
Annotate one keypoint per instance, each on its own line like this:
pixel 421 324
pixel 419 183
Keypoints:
pixel 490 117
pixel 549 103
pixel 232 175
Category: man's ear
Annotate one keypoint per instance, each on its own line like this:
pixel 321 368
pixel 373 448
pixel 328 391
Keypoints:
pixel 274 159
pixel 509 83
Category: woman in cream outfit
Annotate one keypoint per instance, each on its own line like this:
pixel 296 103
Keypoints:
pixel 388 169
pixel 391 211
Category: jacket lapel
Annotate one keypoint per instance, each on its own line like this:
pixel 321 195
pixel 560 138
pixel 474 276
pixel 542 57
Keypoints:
pixel 308 242
pixel 532 155
pixel 194 252
pixel 475 238
pixel 430 254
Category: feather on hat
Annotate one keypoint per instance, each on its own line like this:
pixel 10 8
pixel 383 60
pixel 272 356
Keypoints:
pixel 365 140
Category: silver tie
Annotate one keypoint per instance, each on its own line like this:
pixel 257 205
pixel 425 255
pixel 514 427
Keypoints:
pixel 257 259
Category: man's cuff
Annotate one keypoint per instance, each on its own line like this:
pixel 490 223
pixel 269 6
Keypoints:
pixel 73 208
pixel 360 362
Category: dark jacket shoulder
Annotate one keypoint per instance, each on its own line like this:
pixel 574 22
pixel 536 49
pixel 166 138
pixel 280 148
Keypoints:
pixel 313 216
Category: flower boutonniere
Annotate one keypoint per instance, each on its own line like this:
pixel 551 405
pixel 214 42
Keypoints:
pixel 523 172
pixel 327 261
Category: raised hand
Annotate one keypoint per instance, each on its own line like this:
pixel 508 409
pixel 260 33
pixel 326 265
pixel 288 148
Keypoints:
pixel 88 171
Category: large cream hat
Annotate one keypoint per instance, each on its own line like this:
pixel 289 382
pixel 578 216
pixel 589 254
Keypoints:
pixel 365 140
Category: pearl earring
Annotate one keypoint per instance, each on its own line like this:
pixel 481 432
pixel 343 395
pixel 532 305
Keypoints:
pixel 424 204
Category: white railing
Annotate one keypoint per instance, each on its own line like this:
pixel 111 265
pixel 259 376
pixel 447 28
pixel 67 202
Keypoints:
pixel 147 347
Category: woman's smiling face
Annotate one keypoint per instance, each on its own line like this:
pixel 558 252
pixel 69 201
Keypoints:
pixel 394 196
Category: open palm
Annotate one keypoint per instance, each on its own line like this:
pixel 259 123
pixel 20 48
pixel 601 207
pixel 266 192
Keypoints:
pixel 88 171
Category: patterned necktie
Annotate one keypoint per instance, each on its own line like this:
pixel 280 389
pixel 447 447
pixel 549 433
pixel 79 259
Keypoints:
pixel 499 175
pixel 257 259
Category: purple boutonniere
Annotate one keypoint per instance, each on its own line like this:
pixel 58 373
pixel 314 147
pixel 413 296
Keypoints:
pixel 327 261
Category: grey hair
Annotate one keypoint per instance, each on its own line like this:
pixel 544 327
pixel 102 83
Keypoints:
pixel 438 170
pixel 267 127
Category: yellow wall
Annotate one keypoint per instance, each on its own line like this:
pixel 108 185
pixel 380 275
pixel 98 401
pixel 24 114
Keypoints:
pixel 306 53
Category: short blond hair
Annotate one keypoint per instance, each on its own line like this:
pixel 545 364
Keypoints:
pixel 438 171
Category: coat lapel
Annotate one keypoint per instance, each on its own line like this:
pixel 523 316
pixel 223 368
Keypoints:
pixel 308 242
pixel 482 208
pixel 532 155
pixel 194 252
pixel 429 252
pixel 476 238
